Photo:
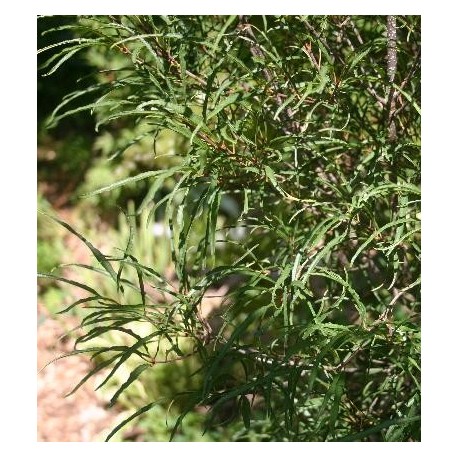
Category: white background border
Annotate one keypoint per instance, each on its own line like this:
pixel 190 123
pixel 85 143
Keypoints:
pixel 18 221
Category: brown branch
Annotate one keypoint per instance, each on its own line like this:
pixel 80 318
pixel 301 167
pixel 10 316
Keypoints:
pixel 308 50
pixel 322 40
pixel 173 63
pixel 392 62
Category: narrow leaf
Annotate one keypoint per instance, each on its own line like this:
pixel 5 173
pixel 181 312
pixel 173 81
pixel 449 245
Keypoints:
pixel 98 255
pixel 132 377
pixel 118 184
pixel 246 411
pixel 136 414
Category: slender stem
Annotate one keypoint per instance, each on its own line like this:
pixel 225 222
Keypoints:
pixel 392 62
pixel 287 116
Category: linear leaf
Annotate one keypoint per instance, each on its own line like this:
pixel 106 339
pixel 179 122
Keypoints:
pixel 135 415
pixel 71 282
pixel 225 103
pixel 375 429
pixel 127 354
pixel 140 176
pixel 98 255
pixel 246 411
pixel 92 372
pixel 132 377
pixel 375 234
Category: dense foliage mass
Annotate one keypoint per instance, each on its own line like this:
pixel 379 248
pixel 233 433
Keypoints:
pixel 292 201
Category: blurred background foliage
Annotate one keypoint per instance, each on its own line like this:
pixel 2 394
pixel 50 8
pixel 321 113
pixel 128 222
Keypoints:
pixel 331 70
pixel 73 159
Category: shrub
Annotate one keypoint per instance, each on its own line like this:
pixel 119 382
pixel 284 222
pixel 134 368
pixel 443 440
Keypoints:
pixel 295 197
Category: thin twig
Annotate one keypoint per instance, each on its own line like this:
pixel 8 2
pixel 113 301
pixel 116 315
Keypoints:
pixel 370 88
pixel 286 116
pixel 409 76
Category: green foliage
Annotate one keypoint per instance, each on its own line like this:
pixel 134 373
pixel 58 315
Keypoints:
pixel 49 247
pixel 292 132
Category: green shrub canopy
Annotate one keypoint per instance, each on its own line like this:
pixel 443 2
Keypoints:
pixel 295 192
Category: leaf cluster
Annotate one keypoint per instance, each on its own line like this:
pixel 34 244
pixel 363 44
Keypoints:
pixel 287 119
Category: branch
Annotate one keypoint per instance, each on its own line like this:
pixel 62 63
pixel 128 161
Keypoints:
pixel 392 62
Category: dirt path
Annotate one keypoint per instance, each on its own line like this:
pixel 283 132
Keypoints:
pixel 81 417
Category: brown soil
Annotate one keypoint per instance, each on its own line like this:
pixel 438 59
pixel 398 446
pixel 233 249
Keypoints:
pixel 81 417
